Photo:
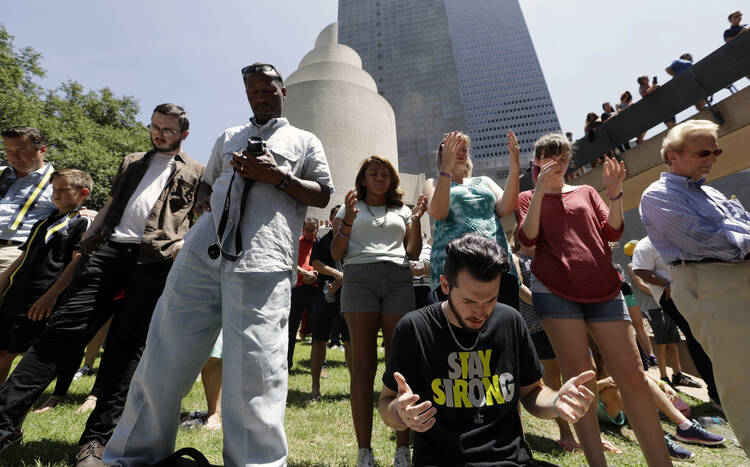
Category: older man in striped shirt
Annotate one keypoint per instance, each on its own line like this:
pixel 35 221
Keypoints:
pixel 706 239
pixel 25 189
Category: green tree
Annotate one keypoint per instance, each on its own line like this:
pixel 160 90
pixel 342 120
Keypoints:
pixel 90 131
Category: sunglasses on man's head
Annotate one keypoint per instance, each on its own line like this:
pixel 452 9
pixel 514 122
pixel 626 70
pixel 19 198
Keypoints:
pixel 261 67
pixel 706 153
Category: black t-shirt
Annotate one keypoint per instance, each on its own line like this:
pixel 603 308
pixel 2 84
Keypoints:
pixel 45 258
pixel 733 31
pixel 475 392
pixel 321 251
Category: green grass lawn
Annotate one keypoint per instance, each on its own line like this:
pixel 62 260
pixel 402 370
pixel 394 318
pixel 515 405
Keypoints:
pixel 320 432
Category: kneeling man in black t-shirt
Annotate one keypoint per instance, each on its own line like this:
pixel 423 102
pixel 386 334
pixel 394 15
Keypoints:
pixel 457 369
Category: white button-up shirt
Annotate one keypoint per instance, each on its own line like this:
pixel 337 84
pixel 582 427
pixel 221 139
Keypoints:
pixel 273 220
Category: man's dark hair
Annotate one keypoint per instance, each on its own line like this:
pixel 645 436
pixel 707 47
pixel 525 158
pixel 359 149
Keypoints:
pixel 174 110
pixel 480 256
pixel 686 56
pixel 35 136
pixel 334 210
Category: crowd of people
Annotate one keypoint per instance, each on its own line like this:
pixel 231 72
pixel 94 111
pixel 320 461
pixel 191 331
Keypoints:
pixel 214 266
pixel 647 85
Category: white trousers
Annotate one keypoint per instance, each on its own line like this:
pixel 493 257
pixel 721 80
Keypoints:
pixel 715 299
pixel 198 301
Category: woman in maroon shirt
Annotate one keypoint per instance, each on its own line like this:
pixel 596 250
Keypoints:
pixel 577 290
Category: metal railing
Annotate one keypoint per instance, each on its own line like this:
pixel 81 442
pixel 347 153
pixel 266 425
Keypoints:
pixel 717 71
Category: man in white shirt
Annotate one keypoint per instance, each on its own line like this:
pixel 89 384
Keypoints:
pixel 234 274
pixel 130 246
pixel 649 266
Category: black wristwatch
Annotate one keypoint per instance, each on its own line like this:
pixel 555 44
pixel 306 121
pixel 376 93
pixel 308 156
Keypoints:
pixel 284 182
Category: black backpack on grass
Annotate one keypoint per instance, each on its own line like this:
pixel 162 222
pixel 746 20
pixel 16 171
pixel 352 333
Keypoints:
pixel 185 457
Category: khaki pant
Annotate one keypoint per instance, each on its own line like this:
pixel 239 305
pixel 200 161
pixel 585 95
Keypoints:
pixel 8 254
pixel 715 299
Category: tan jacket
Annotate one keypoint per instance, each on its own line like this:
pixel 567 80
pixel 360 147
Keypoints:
pixel 169 218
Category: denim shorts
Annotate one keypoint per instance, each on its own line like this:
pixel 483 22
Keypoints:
pixel 383 287
pixel 549 305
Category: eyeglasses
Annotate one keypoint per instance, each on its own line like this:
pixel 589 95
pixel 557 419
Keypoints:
pixel 155 130
pixel 738 15
pixel 705 153
pixel 261 67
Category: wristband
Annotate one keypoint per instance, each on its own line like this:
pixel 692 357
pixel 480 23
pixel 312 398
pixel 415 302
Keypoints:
pixel 341 232
pixel 660 383
pixel 344 222
pixel 445 174
pixel 554 403
pixel 397 416
pixel 616 197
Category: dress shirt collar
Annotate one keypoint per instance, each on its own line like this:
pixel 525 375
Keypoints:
pixel 682 180
pixel 273 123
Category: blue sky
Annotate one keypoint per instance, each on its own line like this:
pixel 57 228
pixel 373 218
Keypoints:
pixel 190 52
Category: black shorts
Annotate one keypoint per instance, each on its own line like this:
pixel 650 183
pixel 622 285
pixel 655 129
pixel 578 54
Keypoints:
pixel 543 346
pixel 665 329
pixel 322 317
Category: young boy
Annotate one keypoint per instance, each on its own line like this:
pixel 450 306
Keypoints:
pixel 31 285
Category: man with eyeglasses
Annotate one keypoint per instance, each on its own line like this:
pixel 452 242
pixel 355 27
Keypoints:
pixel 706 239
pixel 735 28
pixel 235 273
pixel 130 245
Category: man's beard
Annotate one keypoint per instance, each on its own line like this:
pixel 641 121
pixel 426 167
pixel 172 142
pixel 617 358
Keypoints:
pixel 172 147
pixel 461 322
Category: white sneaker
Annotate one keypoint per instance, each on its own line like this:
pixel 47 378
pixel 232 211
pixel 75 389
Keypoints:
pixel 402 457
pixel 365 458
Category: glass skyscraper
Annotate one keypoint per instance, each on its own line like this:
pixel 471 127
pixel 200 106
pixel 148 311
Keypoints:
pixel 453 65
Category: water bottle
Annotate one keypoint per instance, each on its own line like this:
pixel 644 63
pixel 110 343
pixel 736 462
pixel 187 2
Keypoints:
pixel 711 420
pixel 327 295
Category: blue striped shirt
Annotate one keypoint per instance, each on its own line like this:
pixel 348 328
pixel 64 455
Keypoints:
pixel 15 196
pixel 687 220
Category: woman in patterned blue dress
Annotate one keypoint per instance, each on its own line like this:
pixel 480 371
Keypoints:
pixel 460 203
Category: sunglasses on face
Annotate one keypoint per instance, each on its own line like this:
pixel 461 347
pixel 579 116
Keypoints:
pixel 706 153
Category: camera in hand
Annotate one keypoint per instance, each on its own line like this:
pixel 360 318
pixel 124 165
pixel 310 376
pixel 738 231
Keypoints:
pixel 255 146
pixel 654 80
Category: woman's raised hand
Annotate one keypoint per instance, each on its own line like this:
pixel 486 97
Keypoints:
pixel 613 174
pixel 350 202
pixel 514 149
pixel 546 174
pixel 419 208
pixel 449 149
